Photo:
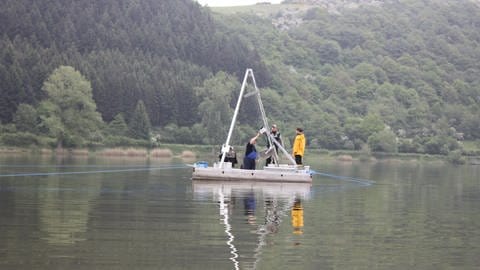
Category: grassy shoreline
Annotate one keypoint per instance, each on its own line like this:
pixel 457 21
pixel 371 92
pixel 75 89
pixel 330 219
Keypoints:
pixel 170 151
pixel 208 151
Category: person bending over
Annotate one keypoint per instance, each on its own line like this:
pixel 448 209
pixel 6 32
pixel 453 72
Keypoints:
pixel 250 154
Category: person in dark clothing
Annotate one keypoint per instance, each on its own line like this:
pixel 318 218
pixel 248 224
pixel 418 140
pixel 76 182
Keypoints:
pixel 230 156
pixel 250 154
pixel 276 136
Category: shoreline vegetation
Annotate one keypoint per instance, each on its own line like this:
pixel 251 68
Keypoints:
pixel 129 152
pixel 192 152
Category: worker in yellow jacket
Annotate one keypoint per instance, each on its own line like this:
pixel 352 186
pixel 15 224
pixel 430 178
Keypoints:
pixel 299 146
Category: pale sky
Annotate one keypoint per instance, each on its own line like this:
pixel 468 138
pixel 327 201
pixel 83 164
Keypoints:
pixel 225 3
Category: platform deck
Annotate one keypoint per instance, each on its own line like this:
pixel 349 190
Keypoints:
pixel 268 174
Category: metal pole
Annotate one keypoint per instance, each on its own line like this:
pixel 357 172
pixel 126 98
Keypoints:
pixel 285 152
pixel 271 140
pixel 226 146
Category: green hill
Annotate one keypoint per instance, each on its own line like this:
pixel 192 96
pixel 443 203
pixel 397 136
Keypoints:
pixel 396 76
pixel 411 66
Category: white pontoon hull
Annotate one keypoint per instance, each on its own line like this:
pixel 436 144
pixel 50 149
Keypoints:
pixel 283 173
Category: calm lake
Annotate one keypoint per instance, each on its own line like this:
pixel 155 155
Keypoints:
pixel 101 213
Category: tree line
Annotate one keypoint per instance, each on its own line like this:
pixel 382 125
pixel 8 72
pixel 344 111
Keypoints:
pixel 401 76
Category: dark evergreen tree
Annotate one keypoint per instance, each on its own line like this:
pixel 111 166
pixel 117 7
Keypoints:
pixel 118 126
pixel 139 126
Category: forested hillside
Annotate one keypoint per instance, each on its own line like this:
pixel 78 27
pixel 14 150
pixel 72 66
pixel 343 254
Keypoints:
pixel 410 65
pixel 393 75
pixel 149 50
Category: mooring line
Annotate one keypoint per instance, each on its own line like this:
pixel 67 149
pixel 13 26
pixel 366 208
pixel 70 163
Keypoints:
pixel 364 182
pixel 73 166
pixel 92 172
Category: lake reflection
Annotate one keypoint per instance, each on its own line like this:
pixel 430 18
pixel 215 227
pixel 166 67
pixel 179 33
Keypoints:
pixel 262 206
pixel 64 214
pixel 105 213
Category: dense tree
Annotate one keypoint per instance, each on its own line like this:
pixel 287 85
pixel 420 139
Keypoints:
pixel 370 125
pixel 118 126
pixel 139 126
pixel 26 118
pixel 69 112
pixel 383 141
pixel 217 95
pixel 325 132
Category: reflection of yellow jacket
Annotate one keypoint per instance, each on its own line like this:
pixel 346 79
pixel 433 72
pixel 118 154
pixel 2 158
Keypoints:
pixel 297 217
pixel 299 145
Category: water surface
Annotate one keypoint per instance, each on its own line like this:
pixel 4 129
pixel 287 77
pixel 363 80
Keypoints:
pixel 88 213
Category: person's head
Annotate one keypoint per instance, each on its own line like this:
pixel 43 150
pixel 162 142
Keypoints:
pixel 274 128
pixel 299 130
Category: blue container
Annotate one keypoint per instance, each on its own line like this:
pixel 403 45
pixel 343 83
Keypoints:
pixel 201 164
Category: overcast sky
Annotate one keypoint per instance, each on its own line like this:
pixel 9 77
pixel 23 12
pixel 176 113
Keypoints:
pixel 224 3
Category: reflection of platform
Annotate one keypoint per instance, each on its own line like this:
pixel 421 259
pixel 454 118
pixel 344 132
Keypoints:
pixel 278 198
pixel 282 173
pixel 270 189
